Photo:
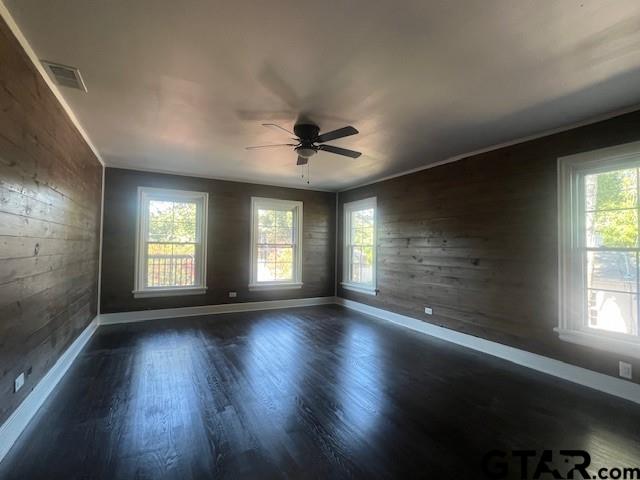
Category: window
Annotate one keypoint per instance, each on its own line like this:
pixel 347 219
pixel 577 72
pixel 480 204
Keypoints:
pixel 360 246
pixel 600 248
pixel 276 242
pixel 172 243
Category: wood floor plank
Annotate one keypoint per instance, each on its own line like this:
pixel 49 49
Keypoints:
pixel 317 392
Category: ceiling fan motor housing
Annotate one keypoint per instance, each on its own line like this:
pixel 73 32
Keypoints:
pixel 306 132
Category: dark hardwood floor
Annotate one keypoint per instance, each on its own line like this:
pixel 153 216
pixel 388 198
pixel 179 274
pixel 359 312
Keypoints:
pixel 319 392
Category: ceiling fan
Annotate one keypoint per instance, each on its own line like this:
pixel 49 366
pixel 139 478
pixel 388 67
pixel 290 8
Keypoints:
pixel 310 141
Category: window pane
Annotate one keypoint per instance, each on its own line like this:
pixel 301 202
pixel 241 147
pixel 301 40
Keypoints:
pixel 612 190
pixel 367 217
pixel 160 249
pixel 366 261
pixel 172 221
pixel 284 271
pixel 356 256
pixel 266 254
pixel 275 227
pixel 355 272
pixel 367 236
pixel 266 218
pixel 284 235
pixel 284 255
pixel 170 265
pixel 613 312
pixel 366 256
pixel 184 212
pixel 266 272
pixel 617 228
pixel 184 249
pixel 612 271
pixel 272 264
pixel 366 275
pixel 263 254
pixel 160 231
pixel 160 210
pixel 275 264
pixel 353 234
pixel 362 228
pixel 284 219
pixel 356 237
pixel 266 235
pixel 356 221
pixel 184 232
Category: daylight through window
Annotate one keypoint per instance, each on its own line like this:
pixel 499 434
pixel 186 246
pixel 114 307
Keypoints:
pixel 360 245
pixel 611 250
pixel 276 230
pixel 171 243
pixel 600 248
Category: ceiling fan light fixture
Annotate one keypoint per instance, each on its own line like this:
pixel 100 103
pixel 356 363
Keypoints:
pixel 306 152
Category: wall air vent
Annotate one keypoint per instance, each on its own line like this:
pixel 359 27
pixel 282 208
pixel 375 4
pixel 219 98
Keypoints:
pixel 65 76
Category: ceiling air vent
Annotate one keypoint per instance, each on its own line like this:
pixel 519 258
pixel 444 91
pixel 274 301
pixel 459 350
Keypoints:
pixel 65 76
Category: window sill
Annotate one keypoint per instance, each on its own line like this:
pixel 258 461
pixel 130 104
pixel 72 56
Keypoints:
pixel 169 292
pixel 274 286
pixel 603 341
pixel 359 288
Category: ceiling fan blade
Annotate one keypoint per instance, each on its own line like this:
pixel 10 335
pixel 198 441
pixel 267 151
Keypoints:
pixel 339 151
pixel 277 128
pixel 302 160
pixel 271 146
pixel 334 134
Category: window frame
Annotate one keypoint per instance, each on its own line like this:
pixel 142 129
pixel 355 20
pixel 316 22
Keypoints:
pixel 145 195
pixel 276 204
pixel 348 209
pixel 572 325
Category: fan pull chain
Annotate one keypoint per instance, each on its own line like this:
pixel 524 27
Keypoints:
pixel 306 179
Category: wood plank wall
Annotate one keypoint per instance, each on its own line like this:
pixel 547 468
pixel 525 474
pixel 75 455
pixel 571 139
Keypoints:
pixel 228 240
pixel 50 196
pixel 476 240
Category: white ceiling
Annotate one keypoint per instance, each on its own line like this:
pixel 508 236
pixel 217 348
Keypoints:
pixel 184 86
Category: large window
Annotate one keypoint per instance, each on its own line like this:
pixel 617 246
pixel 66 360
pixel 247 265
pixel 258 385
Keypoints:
pixel 359 252
pixel 599 249
pixel 276 239
pixel 171 247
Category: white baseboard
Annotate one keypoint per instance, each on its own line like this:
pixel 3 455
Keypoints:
pixel 582 376
pixel 20 418
pixel 143 315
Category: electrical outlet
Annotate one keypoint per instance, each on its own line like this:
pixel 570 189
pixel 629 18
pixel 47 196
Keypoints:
pixel 233 294
pixel 18 382
pixel 625 370
pixel 428 310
